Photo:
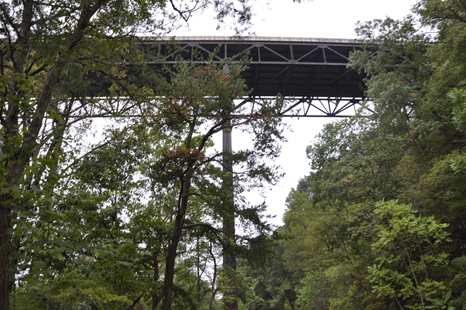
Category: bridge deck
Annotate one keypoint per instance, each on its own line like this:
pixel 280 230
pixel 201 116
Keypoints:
pixel 311 73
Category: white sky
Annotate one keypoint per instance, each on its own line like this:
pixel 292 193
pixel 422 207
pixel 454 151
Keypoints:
pixel 313 19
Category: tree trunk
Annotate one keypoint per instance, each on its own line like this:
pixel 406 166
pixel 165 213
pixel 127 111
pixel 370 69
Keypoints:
pixel 18 157
pixel 4 253
pixel 171 256
pixel 155 297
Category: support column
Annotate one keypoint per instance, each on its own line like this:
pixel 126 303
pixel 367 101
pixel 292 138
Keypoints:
pixel 229 259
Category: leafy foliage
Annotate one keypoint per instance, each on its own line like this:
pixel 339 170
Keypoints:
pixel 370 226
pixel 79 229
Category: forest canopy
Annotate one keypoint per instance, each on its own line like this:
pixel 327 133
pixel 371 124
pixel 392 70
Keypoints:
pixel 379 222
pixel 139 216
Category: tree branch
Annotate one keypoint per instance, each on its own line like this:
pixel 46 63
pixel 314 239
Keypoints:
pixel 210 227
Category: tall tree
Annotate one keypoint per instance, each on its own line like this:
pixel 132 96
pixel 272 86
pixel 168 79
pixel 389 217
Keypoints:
pixel 411 149
pixel 49 52
pixel 197 103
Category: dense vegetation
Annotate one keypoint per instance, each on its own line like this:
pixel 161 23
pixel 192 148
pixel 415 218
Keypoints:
pixel 141 217
pixel 379 222
pixel 135 211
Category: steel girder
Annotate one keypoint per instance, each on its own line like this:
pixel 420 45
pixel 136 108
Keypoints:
pixel 311 74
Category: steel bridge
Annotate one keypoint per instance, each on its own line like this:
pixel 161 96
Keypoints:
pixel 311 74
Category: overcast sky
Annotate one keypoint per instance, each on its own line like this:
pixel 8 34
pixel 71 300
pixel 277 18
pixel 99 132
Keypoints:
pixel 313 19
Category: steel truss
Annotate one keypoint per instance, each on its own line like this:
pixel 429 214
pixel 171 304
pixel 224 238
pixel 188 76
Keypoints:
pixel 310 74
pixel 310 107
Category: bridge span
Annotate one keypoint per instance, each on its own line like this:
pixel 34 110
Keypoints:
pixel 310 73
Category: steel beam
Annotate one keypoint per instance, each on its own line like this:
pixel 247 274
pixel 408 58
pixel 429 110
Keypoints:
pixel 303 70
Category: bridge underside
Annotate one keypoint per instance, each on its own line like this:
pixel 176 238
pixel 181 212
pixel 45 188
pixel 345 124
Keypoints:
pixel 311 74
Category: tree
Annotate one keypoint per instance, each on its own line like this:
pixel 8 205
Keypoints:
pixel 410 149
pixel 407 249
pixel 49 52
pixel 132 219
pixel 197 103
pixel 429 104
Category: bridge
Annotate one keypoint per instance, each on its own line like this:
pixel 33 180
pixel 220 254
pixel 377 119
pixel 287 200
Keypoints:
pixel 311 74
